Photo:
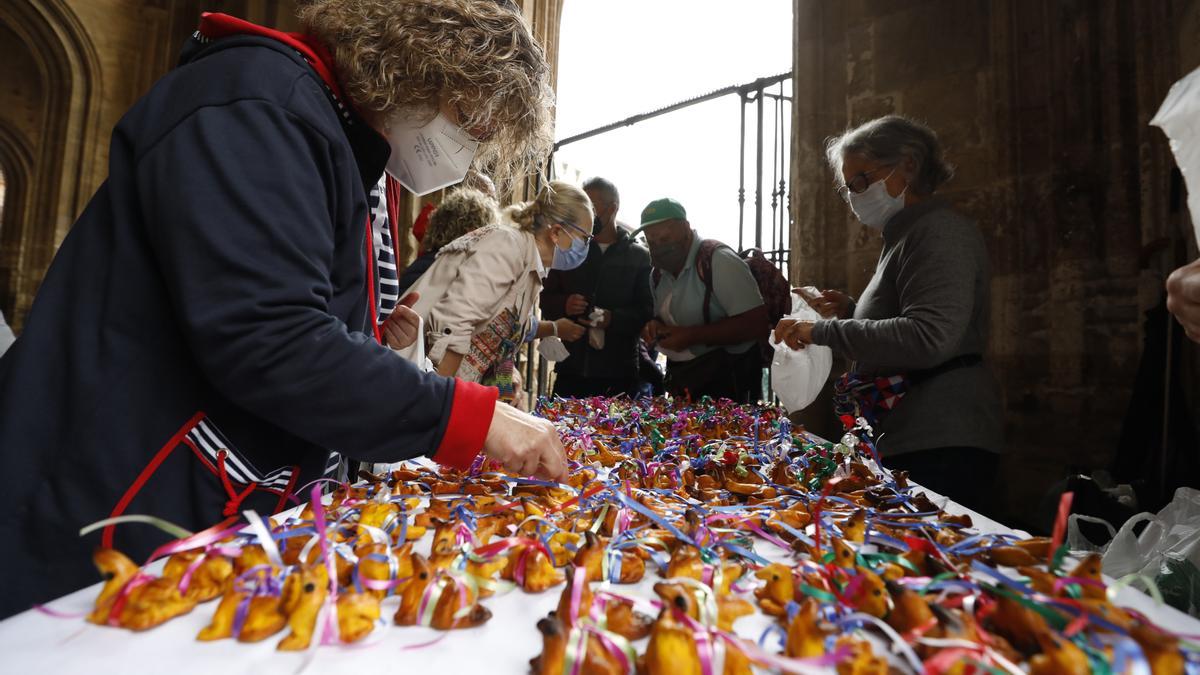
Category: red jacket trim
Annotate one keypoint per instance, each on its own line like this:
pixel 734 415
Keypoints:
pixel 216 25
pixel 470 420
pixel 106 539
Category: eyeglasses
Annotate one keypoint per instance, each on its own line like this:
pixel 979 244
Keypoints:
pixel 859 183
pixel 587 236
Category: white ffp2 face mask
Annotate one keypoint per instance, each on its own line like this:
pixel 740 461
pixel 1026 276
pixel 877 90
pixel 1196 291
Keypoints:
pixel 874 207
pixel 431 156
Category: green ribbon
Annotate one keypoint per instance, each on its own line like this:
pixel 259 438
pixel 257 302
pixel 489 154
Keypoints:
pixel 813 592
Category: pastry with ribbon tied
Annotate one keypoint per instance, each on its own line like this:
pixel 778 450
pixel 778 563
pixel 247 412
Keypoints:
pixel 249 557
pixel 595 553
pixel 596 658
pixel 687 562
pixel 563 546
pixel 207 574
pixel 439 599
pixel 910 611
pixel 619 616
pixel 805 633
pixel 381 568
pixel 861 659
pixel 778 590
pixel 261 613
pixel 446 542
pixel 1018 623
pixel 866 593
pixel 531 566
pixel 153 604
pixel 261 617
pixel 561 630
pixel 357 614
pixel 132 599
pixel 220 626
pixel 116 570
pixel 1059 656
pixel 675 640
pixel 304 592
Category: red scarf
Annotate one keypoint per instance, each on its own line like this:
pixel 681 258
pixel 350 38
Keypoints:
pixel 214 26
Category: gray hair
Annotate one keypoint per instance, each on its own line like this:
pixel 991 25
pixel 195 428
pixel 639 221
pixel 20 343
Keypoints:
pixel 603 186
pixel 892 139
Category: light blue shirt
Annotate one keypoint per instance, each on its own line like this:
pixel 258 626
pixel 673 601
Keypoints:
pixel 734 292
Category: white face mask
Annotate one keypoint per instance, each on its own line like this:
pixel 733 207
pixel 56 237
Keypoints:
pixel 874 206
pixel 431 156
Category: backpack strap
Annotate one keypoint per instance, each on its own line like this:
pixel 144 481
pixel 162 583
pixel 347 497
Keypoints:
pixel 704 258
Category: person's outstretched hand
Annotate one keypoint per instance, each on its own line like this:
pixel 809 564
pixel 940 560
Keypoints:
pixel 525 445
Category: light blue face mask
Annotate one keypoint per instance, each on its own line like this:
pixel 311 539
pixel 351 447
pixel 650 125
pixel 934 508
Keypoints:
pixel 572 257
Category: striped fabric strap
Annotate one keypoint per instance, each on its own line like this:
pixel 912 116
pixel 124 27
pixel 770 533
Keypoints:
pixel 385 254
pixel 209 440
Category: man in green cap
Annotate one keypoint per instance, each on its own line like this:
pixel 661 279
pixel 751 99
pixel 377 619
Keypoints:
pixel 708 312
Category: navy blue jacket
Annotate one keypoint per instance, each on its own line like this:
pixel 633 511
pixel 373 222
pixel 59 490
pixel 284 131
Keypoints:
pixel 202 340
pixel 617 280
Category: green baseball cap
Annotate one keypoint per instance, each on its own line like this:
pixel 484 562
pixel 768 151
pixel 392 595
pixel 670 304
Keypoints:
pixel 662 209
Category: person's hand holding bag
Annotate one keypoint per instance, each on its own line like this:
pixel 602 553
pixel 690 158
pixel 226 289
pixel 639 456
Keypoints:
pixel 402 325
pixel 798 373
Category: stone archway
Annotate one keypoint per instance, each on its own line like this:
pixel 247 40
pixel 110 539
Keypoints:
pixel 47 140
pixel 16 165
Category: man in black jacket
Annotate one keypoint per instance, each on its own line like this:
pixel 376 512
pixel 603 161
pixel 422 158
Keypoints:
pixel 207 333
pixel 610 293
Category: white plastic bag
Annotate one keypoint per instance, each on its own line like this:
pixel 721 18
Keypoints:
pixel 1179 118
pixel 1167 550
pixel 799 375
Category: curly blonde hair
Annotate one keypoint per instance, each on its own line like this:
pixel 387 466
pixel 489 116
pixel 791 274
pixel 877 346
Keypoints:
pixel 557 202
pixel 408 57
pixel 462 211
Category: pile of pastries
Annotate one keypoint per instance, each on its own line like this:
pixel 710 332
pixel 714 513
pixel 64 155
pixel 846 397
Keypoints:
pixel 725 511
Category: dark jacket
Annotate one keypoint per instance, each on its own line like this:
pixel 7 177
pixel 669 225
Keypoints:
pixel 202 339
pixel 617 280
pixel 926 305
pixel 415 270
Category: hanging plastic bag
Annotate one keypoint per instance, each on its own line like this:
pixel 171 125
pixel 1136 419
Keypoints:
pixel 798 375
pixel 1167 551
pixel 1179 118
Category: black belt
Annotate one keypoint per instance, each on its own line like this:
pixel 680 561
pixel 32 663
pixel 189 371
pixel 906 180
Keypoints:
pixel 964 361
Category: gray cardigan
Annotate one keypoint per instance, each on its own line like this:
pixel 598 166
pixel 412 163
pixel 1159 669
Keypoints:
pixel 927 303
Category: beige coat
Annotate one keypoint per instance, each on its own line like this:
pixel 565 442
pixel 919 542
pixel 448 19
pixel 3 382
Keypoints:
pixel 473 280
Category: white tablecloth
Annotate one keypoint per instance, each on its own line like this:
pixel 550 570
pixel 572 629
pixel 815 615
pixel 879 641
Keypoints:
pixel 33 642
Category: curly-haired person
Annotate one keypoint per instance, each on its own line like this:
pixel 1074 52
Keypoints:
pixel 207 333
pixel 463 210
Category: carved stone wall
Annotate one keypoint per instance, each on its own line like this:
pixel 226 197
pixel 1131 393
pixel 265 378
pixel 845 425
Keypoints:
pixel 71 68
pixel 1044 108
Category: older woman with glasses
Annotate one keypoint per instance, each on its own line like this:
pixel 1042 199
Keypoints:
pixel 917 335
